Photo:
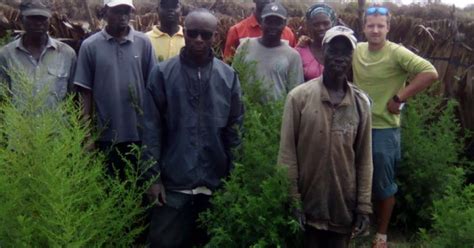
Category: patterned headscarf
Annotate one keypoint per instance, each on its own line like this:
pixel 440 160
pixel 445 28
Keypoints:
pixel 324 9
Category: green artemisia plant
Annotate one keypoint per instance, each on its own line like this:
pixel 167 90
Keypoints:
pixel 53 192
pixel 432 162
pixel 253 208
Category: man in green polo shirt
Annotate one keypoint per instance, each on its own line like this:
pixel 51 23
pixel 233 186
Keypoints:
pixel 382 68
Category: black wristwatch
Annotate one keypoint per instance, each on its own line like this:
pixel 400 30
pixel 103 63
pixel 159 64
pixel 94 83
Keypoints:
pixel 396 99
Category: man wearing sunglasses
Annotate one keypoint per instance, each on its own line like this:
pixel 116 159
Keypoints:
pixel 193 126
pixel 167 38
pixel 278 65
pixel 112 68
pixel 382 68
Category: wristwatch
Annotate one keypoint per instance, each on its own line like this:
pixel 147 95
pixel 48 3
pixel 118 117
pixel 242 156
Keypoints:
pixel 396 99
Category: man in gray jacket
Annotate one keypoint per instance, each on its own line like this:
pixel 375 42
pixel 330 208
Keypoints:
pixel 193 125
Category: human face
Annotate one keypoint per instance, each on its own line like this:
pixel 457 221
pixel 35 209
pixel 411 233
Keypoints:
pixel 169 13
pixel 259 4
pixel 199 32
pixel 376 29
pixel 272 28
pixel 317 26
pixel 338 56
pixel 35 24
pixel 118 17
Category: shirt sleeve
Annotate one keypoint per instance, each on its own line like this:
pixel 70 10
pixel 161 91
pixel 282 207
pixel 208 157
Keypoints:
pixel 363 159
pixel 153 123
pixel 84 74
pixel 72 71
pixel 287 155
pixel 231 43
pixel 412 63
pixel 4 78
pixel 296 71
pixel 232 133
pixel 149 59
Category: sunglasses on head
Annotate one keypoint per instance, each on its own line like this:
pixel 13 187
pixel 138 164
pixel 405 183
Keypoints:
pixel 377 10
pixel 205 35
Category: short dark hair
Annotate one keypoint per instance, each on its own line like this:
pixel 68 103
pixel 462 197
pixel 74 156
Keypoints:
pixel 161 3
pixel 199 11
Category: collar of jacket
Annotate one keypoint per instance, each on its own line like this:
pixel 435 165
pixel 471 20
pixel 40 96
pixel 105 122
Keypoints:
pixel 187 59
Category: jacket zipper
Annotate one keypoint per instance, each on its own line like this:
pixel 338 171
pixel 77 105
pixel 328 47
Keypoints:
pixel 199 114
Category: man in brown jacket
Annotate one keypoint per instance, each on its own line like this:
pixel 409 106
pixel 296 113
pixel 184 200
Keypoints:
pixel 326 145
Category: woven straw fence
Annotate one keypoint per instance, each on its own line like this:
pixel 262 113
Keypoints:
pixel 448 44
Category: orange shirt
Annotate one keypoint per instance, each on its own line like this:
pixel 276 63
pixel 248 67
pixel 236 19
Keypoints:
pixel 249 28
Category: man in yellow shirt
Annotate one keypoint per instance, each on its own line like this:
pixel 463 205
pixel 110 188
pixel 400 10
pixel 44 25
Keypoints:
pixel 167 39
pixel 381 68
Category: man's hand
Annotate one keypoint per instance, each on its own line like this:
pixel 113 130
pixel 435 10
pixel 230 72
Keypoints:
pixel 303 41
pixel 394 107
pixel 156 193
pixel 361 225
pixel 300 217
pixel 89 143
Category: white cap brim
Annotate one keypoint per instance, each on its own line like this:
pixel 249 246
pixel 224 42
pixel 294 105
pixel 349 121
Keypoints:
pixel 36 12
pixel 351 39
pixel 117 3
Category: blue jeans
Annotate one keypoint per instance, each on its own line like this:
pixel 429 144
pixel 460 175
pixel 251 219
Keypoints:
pixel 386 153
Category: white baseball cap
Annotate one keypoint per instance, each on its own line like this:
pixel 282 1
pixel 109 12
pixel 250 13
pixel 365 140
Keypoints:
pixel 340 31
pixel 113 3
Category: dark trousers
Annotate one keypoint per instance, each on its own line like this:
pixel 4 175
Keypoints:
pixel 175 223
pixel 115 155
pixel 314 238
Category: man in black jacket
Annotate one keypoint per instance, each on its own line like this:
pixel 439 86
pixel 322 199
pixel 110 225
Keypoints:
pixel 194 118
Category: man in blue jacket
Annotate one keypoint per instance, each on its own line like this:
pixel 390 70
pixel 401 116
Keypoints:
pixel 193 125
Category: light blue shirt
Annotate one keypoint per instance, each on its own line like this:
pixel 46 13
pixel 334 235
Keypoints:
pixel 52 73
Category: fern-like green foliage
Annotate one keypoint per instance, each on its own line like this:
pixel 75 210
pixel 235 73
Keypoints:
pixel 53 192
pixel 252 209
pixel 453 219
pixel 432 163
pixel 5 39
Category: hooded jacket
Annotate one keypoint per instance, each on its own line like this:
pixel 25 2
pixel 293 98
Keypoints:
pixel 193 121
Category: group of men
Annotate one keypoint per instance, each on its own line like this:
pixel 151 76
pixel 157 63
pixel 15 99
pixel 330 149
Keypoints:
pixel 340 141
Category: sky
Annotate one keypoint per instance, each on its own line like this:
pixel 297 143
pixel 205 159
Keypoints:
pixel 458 3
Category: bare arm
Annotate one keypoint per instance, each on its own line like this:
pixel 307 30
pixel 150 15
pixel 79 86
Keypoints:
pixel 419 83
pixel 86 100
